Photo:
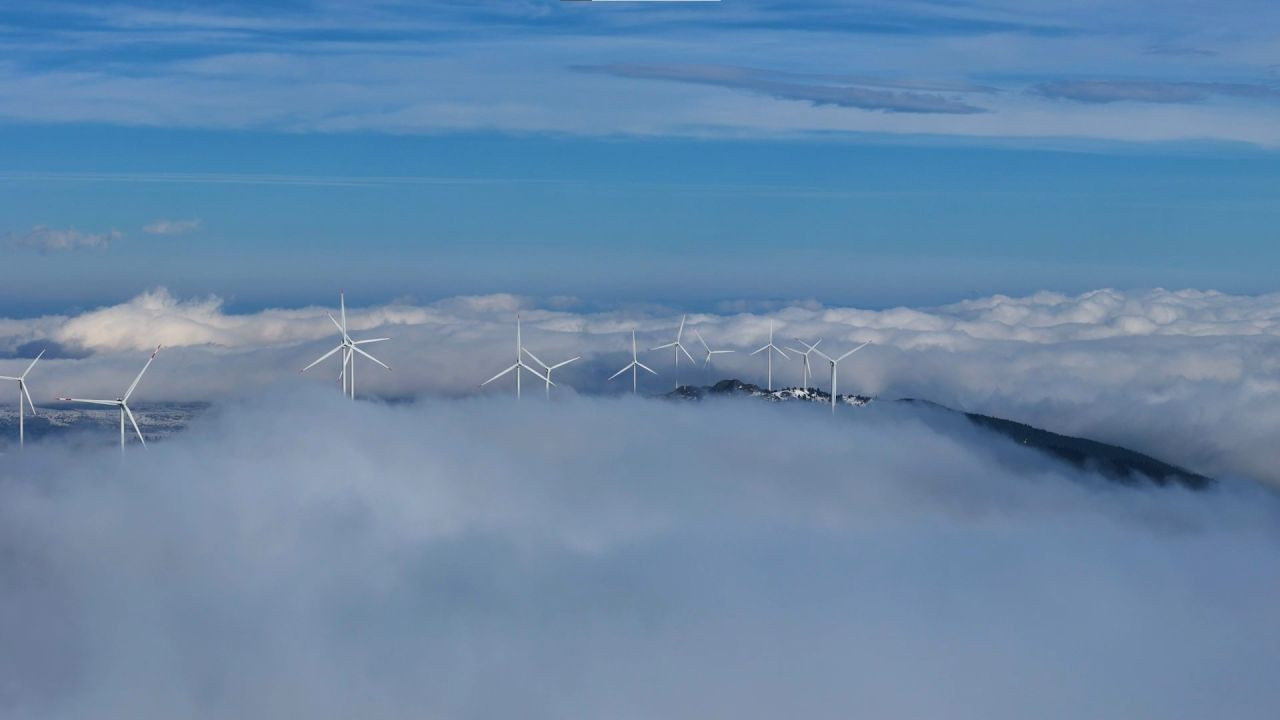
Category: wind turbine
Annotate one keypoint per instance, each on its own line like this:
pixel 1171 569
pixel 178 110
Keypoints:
pixel 633 366
pixel 520 365
pixel 707 362
pixel 349 349
pixel 834 363
pixel 23 392
pixel 769 350
pixel 808 371
pixel 548 368
pixel 123 403
pixel 676 349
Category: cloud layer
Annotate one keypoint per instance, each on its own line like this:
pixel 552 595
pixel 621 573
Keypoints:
pixel 298 555
pixel 1188 376
pixel 447 66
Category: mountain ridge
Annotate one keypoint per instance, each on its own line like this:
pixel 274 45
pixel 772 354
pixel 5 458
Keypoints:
pixel 1116 463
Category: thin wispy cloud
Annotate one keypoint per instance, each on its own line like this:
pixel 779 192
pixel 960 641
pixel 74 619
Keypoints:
pixel 789 87
pixel 172 227
pixel 1147 91
pixel 46 239
pixel 1181 51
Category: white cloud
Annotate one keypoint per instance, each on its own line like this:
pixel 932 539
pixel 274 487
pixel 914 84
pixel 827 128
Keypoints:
pixel 298 555
pixel 172 227
pixel 47 239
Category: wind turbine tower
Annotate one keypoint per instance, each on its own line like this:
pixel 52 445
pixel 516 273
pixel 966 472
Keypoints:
pixel 807 372
pixel 769 350
pixel 349 349
pixel 835 362
pixel 634 365
pixel 520 351
pixel 24 393
pixel 548 368
pixel 676 349
pixel 123 403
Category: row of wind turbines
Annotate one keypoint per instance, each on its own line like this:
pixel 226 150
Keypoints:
pixel 121 403
pixel 678 348
pixel 349 348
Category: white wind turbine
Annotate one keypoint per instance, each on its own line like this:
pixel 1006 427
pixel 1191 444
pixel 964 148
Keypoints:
pixel 349 349
pixel 769 350
pixel 634 365
pixel 676 348
pixel 520 365
pixel 834 364
pixel 707 361
pixel 123 403
pixel 548 368
pixel 807 373
pixel 24 393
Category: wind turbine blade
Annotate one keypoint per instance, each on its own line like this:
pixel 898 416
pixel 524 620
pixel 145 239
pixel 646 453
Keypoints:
pixel 337 324
pixel 642 366
pixel 704 342
pixel 794 350
pixel 662 347
pixel 535 358
pixel 853 351
pixel 342 301
pixel 8 377
pixel 756 352
pixel 719 352
pixel 322 357
pixel 370 340
pixel 129 412
pixel 33 364
pixel 356 349
pixel 129 392
pixel 495 377
pixel 681 330
pixel 562 364
pixel 628 367
pixel 32 405
pixel 686 353
pixel 112 403
pixel 536 374
pixel 823 355
pixel 779 351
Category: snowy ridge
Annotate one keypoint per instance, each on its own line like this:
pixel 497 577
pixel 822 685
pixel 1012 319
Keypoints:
pixel 737 387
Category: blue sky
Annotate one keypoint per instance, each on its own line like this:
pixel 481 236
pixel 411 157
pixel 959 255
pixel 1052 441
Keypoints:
pixel 868 153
